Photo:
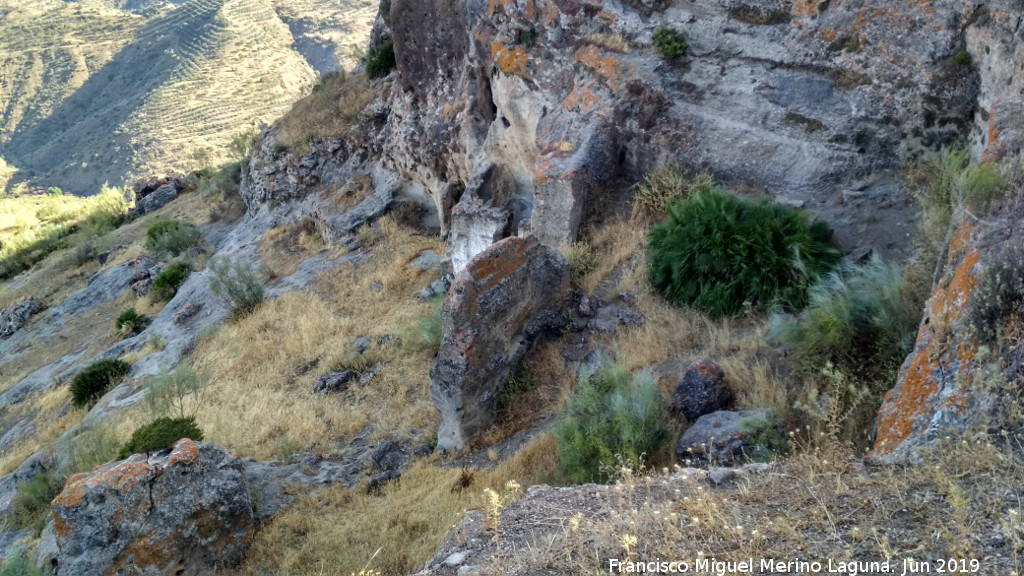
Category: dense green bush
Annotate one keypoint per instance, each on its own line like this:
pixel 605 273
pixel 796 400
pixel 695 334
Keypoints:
pixel 30 508
pixel 380 60
pixel 130 321
pixel 237 283
pixel 999 296
pixel 671 43
pixel 170 238
pixel 160 434
pixel 963 58
pixel 613 419
pixel 89 384
pixel 167 282
pixel 856 317
pixel 721 252
pixel 54 191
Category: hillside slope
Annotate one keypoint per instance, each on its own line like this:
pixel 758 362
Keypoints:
pixel 92 93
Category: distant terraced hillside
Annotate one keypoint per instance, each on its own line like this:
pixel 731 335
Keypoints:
pixel 95 92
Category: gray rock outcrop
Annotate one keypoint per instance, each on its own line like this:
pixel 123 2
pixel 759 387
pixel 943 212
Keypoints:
pixel 184 511
pixel 723 437
pixel 507 295
pixel 13 317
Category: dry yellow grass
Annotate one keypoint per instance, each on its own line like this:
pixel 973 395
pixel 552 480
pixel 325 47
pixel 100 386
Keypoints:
pixel 285 247
pixel 50 419
pixel 335 532
pixel 614 41
pixel 331 110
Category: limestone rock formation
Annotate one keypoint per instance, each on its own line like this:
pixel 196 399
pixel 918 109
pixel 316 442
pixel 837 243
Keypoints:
pixel 507 295
pixel 185 511
pixel 155 193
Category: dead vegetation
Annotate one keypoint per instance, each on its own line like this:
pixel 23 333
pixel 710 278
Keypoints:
pixel 330 111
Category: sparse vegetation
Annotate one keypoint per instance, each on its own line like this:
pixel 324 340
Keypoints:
pixel 380 60
pixel 16 564
pixel 131 322
pixel 582 260
pixel 963 58
pixel 172 392
pixel 998 299
pixel 171 238
pixel 613 41
pixel 167 282
pixel 427 332
pixel 331 110
pixel 613 420
pixel 670 42
pixel 30 508
pixel 663 187
pixel 723 254
pixel 93 381
pixel 161 434
pixel 237 283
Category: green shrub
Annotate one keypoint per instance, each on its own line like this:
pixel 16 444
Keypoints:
pixel 999 295
pixel 582 260
pixel 612 420
pixel 30 508
pixel 721 253
pixel 380 60
pixel 54 191
pixel 671 43
pixel 427 333
pixel 168 392
pixel 950 182
pixel 160 434
pixel 237 284
pixel 109 210
pixel 766 437
pixel 663 187
pixel 963 58
pixel 170 238
pixel 167 282
pixel 130 321
pixel 385 8
pixel 857 317
pixel 94 380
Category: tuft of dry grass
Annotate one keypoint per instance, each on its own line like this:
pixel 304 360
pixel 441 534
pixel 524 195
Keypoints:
pixel 613 41
pixel 331 110
pixel 285 247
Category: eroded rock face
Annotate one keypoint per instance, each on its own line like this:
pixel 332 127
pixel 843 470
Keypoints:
pixel 941 385
pixel 13 317
pixel 184 512
pixel 507 295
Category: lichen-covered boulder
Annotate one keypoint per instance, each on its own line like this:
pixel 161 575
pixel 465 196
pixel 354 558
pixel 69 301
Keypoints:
pixel 13 317
pixel 940 386
pixel 185 511
pixel 506 296
pixel 701 391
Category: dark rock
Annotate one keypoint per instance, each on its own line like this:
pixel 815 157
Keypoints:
pixel 389 456
pixel 369 374
pixel 186 311
pixel 586 306
pixel 627 297
pixel 608 318
pixel 385 339
pixel 156 200
pixel 378 480
pixel 439 286
pixel 422 451
pixel 701 391
pixel 507 295
pixel 591 364
pixel 13 317
pixel 721 437
pixel 184 511
pixel 272 484
pixel 336 381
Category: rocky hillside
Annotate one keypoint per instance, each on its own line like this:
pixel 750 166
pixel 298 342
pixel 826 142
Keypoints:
pixel 729 279
pixel 94 92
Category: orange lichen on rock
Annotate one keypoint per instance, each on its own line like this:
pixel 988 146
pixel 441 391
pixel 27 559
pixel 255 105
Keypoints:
pixel 805 7
pixel 897 422
pixel 994 149
pixel 185 452
pixel 510 60
pixel 607 66
pixel 829 34
pixel 582 98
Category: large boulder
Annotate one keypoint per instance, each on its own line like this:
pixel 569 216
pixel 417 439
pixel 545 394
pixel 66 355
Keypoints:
pixel 184 511
pixel 506 296
pixel 728 438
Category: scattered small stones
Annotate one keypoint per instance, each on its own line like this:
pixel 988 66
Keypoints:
pixel 439 286
pixel 369 374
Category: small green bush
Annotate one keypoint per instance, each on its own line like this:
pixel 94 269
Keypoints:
pixel 169 392
pixel 427 333
pixel 54 191
pixel 612 420
pixel 167 282
pixel 767 438
pixel 170 238
pixel 94 380
pixel 582 260
pixel 722 253
pixel 237 284
pixel 385 8
pixel 160 434
pixel 999 295
pixel 671 43
pixel 857 318
pixel 963 58
pixel 380 60
pixel 950 182
pixel 30 508
pixel 130 321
